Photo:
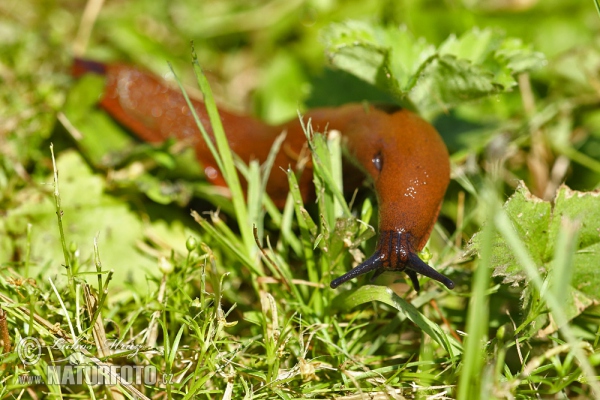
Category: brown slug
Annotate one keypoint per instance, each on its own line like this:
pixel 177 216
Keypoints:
pixel 402 154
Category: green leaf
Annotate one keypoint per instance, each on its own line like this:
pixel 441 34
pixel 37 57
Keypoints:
pixel 88 212
pixel 530 217
pixel 98 136
pixel 538 225
pixel 477 64
pixel 583 208
pixel 368 293
pixel 448 81
pixel 475 45
pixel 408 56
pixel 360 49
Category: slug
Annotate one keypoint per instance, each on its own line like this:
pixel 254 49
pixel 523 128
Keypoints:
pixel 402 154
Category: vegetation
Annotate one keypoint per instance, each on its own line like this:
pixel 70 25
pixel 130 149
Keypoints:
pixel 99 251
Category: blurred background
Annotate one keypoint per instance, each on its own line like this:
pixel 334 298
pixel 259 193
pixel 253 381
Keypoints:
pixel 267 58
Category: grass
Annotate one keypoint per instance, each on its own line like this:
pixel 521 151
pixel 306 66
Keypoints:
pixel 234 302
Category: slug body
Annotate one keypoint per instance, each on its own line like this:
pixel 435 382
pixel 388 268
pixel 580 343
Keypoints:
pixel 402 154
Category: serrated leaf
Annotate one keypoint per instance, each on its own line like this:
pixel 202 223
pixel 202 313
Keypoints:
pixel 462 81
pixel 478 63
pixel 584 208
pixel 537 224
pixel 362 50
pixel 519 57
pixel 408 56
pixel 475 46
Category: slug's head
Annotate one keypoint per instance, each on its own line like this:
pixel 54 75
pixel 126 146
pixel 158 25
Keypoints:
pixel 409 166
pixel 394 253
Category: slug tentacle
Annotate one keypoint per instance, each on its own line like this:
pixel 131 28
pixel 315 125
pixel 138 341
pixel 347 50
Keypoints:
pixel 373 263
pixel 415 265
pixel 395 253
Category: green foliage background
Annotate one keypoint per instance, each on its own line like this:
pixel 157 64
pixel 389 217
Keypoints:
pixel 513 86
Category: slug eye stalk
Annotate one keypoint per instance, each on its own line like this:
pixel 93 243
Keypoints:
pixel 394 253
